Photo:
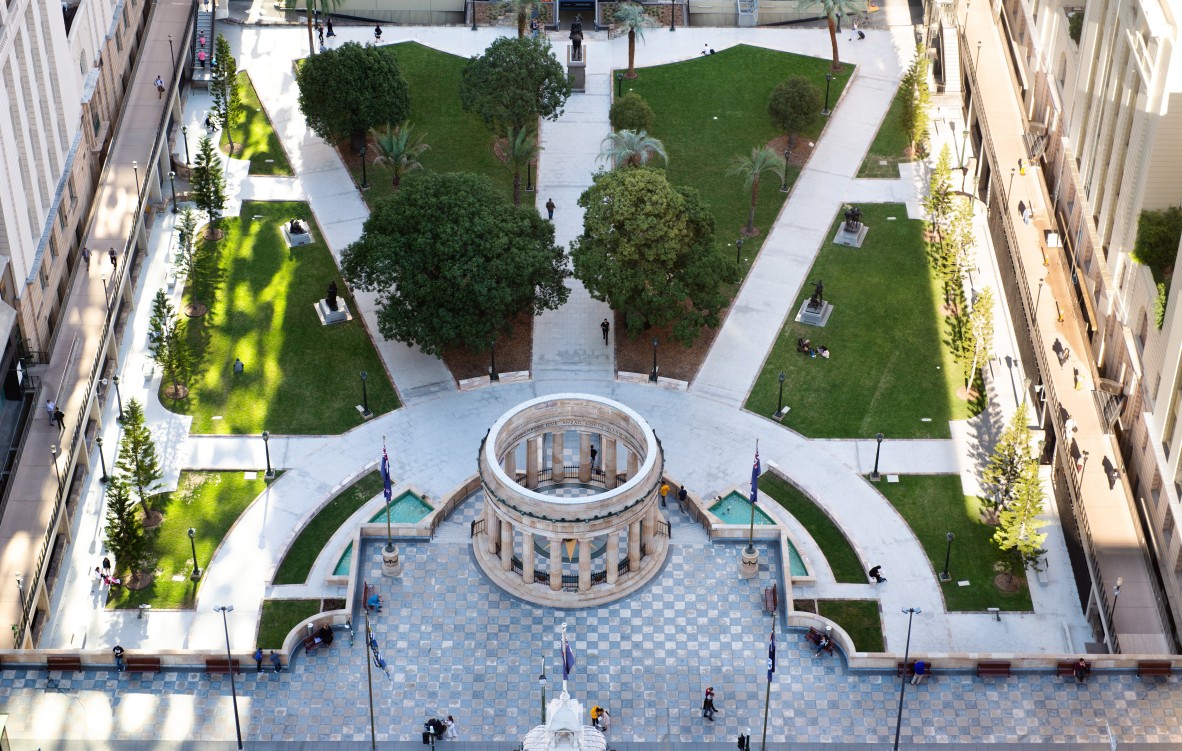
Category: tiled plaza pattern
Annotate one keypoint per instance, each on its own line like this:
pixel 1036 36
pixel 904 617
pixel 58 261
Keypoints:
pixel 456 644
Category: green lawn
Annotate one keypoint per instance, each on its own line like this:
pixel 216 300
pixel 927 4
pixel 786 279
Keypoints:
pixel 300 377
pixel 859 618
pixel 709 110
pixel 255 136
pixel 890 366
pixel 935 505
pixel 209 502
pixel 459 141
pixel 888 144
pixel 838 552
pixel 307 546
pixel 279 617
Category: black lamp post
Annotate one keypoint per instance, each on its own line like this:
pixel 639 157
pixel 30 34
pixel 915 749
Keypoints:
pixel 619 81
pixel 529 177
pixel 911 612
pixel 784 182
pixel 53 450
pixel 267 448
pixel 945 576
pixel 473 15
pixel 185 133
pixel 118 396
pixel 878 450
pixel 739 253
pixel 172 50
pixel 780 400
pixel 977 59
pixel 364 176
pixel 223 609
pixel 135 167
pixel 542 683
pixel 672 15
pixel 828 80
pixel 102 459
pixel 365 395
pixel 172 184
pixel 493 375
pixel 193 544
pixel 964 142
pixel 1112 618
pixel 653 375
pixel 1010 187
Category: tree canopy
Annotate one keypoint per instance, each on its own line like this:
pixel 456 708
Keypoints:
pixel 454 262
pixel 207 181
pixel 346 91
pixel 514 82
pixel 647 248
pixel 794 105
pixel 225 89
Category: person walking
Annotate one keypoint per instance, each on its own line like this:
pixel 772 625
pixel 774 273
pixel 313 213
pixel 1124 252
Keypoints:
pixel 876 575
pixel 451 733
pixel 201 57
pixel 550 206
pixel 377 33
pixel 664 493
pixel 51 409
pixel 60 418
pixel 682 497
pixel 258 660
pixel 159 87
pixel 708 704
pixel 86 257
pixel 276 661
pixel 201 39
pixel 594 457
pixel 114 258
pixel 119 664
pixel 328 23
pixel 605 327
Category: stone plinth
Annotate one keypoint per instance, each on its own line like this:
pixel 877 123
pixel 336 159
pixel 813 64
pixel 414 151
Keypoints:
pixel 812 315
pixel 577 69
pixel 749 564
pixel 329 316
pixel 391 564
pixel 850 237
pixel 298 238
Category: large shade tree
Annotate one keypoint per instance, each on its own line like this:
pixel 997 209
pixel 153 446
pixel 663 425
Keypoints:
pixel 515 81
pixel 831 9
pixel 453 262
pixel 346 91
pixel 647 249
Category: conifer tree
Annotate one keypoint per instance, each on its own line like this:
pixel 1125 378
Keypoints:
pixel 208 182
pixel 125 534
pixel 225 89
pixel 138 463
pixel 1008 461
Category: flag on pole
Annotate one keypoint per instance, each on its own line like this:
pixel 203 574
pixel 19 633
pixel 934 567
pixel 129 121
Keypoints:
pixel 771 655
pixel 755 479
pixel 568 659
pixel 387 486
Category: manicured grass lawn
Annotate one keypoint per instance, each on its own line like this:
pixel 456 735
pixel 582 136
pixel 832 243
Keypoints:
pixel 890 366
pixel 255 136
pixel 859 618
pixel 279 617
pixel 297 563
pixel 838 552
pixel 888 143
pixel 209 502
pixel 935 505
pixel 300 377
pixel 459 141
pixel 709 110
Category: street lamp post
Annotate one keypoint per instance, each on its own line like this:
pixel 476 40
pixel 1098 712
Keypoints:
pixel 964 142
pixel 364 174
pixel 267 448
pixel 493 375
pixel 945 576
pixel 739 253
pixel 365 396
pixel 223 609
pixel 828 80
pixel 1112 618
pixel 185 133
pixel 542 683
pixel 653 375
pixel 102 459
pixel 473 15
pixel 172 184
pixel 1010 187
pixel 619 81
pixel 135 167
pixel 877 451
pixel 172 51
pixel 53 450
pixel 780 400
pixel 529 177
pixel 672 15
pixel 193 545
pixel 977 59
pixel 784 182
pixel 118 397
pixel 911 613
pixel 1038 297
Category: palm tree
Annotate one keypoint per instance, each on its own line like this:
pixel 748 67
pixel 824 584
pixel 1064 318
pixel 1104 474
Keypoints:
pixel 523 149
pixel 523 9
pixel 398 149
pixel 751 168
pixel 631 147
pixel 831 8
pixel 313 7
pixel 631 16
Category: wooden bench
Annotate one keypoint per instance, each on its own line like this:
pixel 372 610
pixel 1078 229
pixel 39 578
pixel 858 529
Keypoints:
pixel 321 637
pixel 770 599
pixel 1066 668
pixel 814 636
pixel 221 666
pixel 141 664
pixel 993 668
pixel 910 668
pixel 63 663
pixel 1153 668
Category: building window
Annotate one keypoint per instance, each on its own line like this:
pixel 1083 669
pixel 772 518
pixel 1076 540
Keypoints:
pixel 44 275
pixel 73 193
pixel 1155 488
pixel 1143 329
pixel 119 40
pixel 1061 74
pixel 1167 524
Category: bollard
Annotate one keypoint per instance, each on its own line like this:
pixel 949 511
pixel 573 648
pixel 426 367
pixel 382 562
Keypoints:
pixel 996 613
pixel 143 611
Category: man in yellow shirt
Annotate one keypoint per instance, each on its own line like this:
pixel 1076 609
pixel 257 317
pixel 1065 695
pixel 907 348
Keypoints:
pixel 664 493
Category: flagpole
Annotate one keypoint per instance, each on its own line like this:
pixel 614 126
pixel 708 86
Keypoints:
pixel 754 485
pixel 373 738
pixel 385 461
pixel 768 696
pixel 565 669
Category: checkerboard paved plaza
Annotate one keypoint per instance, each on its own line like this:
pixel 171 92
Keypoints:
pixel 456 644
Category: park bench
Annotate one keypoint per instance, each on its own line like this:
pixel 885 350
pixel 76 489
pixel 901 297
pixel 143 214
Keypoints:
pixel 1066 668
pixel 142 664
pixel 814 636
pixel 1152 668
pixel 321 637
pixel 63 663
pixel 993 668
pixel 909 668
pixel 221 666
pixel 770 599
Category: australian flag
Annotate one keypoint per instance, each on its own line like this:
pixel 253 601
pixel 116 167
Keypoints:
pixel 755 479
pixel 387 486
pixel 771 656
pixel 568 659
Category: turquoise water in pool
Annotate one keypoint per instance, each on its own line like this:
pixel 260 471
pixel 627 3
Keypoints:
pixel 736 509
pixel 407 508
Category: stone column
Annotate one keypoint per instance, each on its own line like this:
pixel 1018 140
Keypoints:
pixel 633 464
pixel 634 546
pixel 531 462
pixel 511 464
pixel 584 457
pixel 555 564
pixel 556 459
pixel 492 529
pixel 647 534
pixel 506 545
pixel 607 455
pixel 584 565
pixel 527 557
pixel 613 556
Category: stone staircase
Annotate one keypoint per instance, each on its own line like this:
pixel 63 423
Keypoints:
pixel 205 23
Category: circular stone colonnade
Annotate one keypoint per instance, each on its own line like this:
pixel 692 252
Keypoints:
pixel 552 533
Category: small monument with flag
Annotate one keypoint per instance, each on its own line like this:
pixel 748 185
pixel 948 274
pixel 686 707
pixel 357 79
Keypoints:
pixel 564 729
pixel 749 565
pixel 391 565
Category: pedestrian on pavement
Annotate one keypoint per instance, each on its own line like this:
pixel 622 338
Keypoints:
pixel 682 495
pixel 50 408
pixel 119 664
pixel 114 259
pixel 377 33
pixel 708 704
pixel 550 206
pixel 328 23
pixel 86 257
pixel 106 565
pixel 60 418
pixel 276 661
pixel 596 711
pixel 320 34
pixel 159 87
pixel 258 660
pixel 876 575
pixel 201 57
pixel 533 28
pixel 1021 168
pixel 919 672
pixel 664 493
pixel 605 327
pixel 605 720
pixel 451 733
pixel 98 574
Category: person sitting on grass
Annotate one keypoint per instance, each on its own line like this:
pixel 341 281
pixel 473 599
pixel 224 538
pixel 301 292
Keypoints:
pixel 823 351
